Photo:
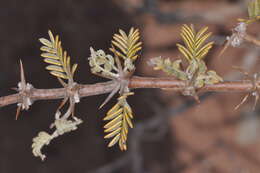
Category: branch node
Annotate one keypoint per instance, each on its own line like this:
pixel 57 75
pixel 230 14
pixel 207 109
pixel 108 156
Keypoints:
pixel 24 89
pixel 237 38
pixel 255 90
pixel 24 93
pixel 73 92
pixel 190 90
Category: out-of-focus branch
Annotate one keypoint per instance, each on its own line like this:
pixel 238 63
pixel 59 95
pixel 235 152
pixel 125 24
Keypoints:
pixel 252 39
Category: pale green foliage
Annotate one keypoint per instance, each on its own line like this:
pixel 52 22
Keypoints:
pixel 39 141
pixel 169 67
pixel 204 76
pixel 124 46
pixel 62 126
pixel 194 51
pixel 103 64
pixel 59 60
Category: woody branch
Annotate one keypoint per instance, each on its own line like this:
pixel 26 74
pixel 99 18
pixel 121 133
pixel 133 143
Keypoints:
pixel 135 82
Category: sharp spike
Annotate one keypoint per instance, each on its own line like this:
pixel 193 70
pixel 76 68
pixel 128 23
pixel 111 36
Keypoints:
pixel 109 97
pixel 22 76
pixel 18 111
pixel 242 102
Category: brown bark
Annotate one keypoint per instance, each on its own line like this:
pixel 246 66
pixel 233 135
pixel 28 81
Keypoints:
pixel 135 82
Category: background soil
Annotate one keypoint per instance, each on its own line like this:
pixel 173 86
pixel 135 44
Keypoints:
pixel 172 133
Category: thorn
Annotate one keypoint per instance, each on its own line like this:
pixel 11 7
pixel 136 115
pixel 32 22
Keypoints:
pixel 242 102
pixel 241 70
pixel 18 111
pixel 23 81
pixel 22 89
pixel 256 94
pixel 62 82
pixel 23 86
pixel 15 89
pixel 121 86
pixel 226 44
pixel 118 63
pixel 109 97
pixel 196 97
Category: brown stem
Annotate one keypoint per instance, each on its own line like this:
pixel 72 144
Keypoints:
pixel 135 82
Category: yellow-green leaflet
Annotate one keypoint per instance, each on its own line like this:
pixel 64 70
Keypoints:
pixel 127 46
pixel 195 47
pixel 120 119
pixel 54 55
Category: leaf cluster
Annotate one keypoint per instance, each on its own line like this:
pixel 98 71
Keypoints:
pixel 102 64
pixel 125 47
pixel 194 50
pixel 119 68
